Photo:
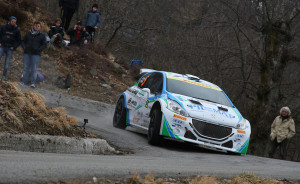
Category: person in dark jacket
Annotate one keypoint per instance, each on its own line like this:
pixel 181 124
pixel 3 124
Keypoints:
pixel 68 8
pixel 56 33
pixel 78 36
pixel 92 21
pixel 10 39
pixel 34 43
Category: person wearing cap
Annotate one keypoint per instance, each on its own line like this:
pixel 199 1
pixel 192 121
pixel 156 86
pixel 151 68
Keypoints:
pixel 92 21
pixel 282 129
pixel 34 43
pixel 68 8
pixel 78 36
pixel 10 39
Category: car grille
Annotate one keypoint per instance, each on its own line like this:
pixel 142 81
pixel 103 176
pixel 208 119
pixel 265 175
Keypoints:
pixel 211 130
pixel 228 144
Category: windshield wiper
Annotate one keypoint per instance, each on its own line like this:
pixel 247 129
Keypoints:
pixel 206 100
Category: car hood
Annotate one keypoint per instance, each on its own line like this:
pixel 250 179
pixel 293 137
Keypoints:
pixel 209 111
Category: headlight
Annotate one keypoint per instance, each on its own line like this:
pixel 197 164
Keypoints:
pixel 175 107
pixel 241 125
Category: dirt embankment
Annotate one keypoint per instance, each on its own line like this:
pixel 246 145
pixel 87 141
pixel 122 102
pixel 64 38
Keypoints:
pixel 95 74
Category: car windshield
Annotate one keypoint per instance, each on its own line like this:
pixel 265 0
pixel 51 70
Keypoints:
pixel 197 90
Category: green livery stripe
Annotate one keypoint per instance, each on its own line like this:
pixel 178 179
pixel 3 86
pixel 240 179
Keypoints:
pixel 165 101
pixel 137 108
pixel 244 148
pixel 151 101
pixel 135 84
pixel 167 130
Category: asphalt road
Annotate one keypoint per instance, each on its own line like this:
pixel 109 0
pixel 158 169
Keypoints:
pixel 171 159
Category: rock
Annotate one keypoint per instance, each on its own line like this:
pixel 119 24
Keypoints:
pixel 116 65
pixel 93 71
pixel 106 86
pixel 45 56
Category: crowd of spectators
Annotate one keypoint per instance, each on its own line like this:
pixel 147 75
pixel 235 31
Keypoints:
pixel 34 42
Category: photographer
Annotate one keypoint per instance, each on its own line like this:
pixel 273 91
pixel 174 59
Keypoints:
pixel 78 36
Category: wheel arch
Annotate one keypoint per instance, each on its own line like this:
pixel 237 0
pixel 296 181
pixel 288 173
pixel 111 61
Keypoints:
pixel 123 95
pixel 156 105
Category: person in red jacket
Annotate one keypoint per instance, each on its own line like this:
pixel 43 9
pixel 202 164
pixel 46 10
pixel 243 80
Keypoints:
pixel 78 36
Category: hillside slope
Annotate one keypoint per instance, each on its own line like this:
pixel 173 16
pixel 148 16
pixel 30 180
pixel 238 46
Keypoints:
pixel 95 74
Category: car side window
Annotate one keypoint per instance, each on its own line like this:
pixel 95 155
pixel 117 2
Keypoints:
pixel 157 83
pixel 144 81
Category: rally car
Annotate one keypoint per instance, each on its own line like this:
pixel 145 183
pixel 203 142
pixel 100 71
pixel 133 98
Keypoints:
pixel 185 108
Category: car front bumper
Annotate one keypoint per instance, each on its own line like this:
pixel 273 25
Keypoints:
pixel 205 134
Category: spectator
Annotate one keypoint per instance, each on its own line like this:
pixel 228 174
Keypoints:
pixel 78 36
pixel 92 21
pixel 10 39
pixel 33 43
pixel 68 8
pixel 282 129
pixel 56 34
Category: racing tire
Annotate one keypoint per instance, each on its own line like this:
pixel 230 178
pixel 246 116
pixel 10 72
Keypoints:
pixel 154 127
pixel 119 120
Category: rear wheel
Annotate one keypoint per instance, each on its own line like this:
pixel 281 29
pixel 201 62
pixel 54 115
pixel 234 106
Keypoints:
pixel 119 120
pixel 154 127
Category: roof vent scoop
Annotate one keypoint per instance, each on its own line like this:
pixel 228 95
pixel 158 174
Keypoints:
pixel 192 77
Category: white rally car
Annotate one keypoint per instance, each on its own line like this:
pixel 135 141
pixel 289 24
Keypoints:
pixel 185 108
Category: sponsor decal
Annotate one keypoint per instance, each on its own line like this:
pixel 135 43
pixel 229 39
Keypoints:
pixel 135 119
pixel 141 94
pixel 241 131
pixel 177 121
pixel 140 114
pixel 176 125
pixel 237 140
pixel 147 103
pixel 180 117
pixel 132 91
pixel 195 83
pixel 240 135
pixel 217 111
pixel 132 103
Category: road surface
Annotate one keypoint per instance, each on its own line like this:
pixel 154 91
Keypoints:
pixel 171 159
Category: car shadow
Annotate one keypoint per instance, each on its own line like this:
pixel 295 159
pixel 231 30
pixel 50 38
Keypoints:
pixel 175 145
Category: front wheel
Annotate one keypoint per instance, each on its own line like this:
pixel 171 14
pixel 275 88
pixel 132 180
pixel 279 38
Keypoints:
pixel 154 127
pixel 119 120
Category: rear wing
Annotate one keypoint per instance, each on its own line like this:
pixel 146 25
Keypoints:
pixel 145 70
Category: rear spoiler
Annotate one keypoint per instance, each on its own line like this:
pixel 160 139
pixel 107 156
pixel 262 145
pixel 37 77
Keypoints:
pixel 145 70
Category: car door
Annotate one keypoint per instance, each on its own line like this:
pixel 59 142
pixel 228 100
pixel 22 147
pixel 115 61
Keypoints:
pixel 136 115
pixel 152 89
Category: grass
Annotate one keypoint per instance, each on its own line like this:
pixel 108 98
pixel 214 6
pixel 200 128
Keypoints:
pixel 150 179
pixel 26 112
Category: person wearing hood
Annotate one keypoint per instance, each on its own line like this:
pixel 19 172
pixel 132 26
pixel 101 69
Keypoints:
pixel 92 21
pixel 10 39
pixel 34 43
pixel 282 129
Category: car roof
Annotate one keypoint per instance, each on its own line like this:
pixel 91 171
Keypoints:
pixel 187 78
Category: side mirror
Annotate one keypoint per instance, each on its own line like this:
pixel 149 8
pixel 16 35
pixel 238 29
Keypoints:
pixel 146 90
